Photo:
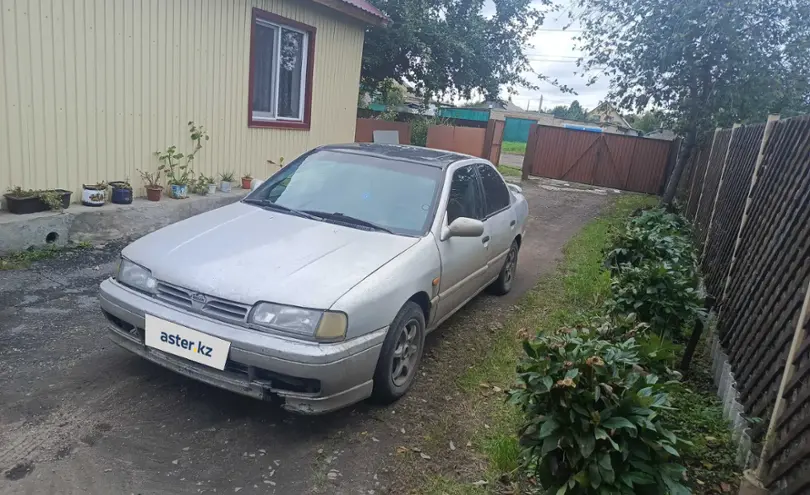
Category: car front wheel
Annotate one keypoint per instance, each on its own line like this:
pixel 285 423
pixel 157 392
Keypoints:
pixel 400 355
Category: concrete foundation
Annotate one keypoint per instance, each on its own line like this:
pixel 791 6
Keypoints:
pixel 109 222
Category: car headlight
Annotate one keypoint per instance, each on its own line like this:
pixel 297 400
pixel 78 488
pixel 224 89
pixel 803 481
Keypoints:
pixel 135 276
pixel 308 323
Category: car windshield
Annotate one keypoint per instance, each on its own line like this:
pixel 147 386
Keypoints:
pixel 363 191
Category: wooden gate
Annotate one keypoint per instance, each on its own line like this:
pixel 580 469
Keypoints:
pixel 493 140
pixel 606 160
pixel 485 143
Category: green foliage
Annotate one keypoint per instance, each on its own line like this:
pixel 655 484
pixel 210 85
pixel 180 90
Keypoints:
pixel 654 272
pixel 572 112
pixel 648 121
pixel 227 176
pixel 176 173
pixel 151 180
pixel 592 418
pixel 654 235
pixel 659 293
pixel 452 47
pixel 200 185
pixel 706 62
pixel 51 198
pixel 420 126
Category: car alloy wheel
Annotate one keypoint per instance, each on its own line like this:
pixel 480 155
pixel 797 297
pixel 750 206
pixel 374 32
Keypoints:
pixel 510 267
pixel 406 353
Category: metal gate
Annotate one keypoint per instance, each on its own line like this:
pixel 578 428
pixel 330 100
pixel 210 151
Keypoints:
pixel 607 160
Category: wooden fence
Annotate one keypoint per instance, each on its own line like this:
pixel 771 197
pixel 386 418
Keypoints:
pixel 607 160
pixel 748 192
pixel 484 142
pixel 364 130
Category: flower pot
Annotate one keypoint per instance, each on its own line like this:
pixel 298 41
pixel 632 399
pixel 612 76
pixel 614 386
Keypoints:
pixel 121 194
pixel 179 191
pixel 93 195
pixel 32 204
pixel 246 182
pixel 212 188
pixel 225 186
pixel 153 193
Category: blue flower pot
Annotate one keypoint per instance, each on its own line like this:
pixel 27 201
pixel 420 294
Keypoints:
pixel 121 196
pixel 179 192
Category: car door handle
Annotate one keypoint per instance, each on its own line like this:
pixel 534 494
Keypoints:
pixel 485 239
pixel 512 223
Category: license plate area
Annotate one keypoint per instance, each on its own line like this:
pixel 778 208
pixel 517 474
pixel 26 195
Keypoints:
pixel 185 342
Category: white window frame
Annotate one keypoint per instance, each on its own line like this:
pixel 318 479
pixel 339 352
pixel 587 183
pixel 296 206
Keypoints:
pixel 261 116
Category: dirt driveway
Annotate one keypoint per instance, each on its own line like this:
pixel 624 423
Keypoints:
pixel 79 415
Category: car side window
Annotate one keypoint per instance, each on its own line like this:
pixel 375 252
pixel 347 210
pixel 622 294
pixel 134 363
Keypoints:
pixel 495 191
pixel 465 196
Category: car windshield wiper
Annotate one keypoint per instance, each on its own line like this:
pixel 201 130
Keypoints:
pixel 266 203
pixel 341 217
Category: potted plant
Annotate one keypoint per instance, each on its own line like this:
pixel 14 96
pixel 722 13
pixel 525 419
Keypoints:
pixel 22 202
pixel 180 176
pixel 225 180
pixel 121 192
pixel 94 194
pixel 203 185
pixel 246 180
pixel 151 180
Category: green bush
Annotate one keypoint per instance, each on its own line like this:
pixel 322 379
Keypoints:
pixel 659 293
pixel 591 418
pixel 653 235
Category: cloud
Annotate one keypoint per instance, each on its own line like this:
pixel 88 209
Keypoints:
pixel 553 54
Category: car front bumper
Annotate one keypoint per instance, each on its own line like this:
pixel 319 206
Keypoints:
pixel 310 377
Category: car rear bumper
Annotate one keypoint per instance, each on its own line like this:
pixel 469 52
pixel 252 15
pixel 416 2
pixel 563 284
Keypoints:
pixel 310 378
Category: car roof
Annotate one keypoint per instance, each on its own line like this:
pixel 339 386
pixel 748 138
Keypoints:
pixel 414 154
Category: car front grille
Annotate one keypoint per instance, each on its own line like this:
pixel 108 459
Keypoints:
pixel 212 306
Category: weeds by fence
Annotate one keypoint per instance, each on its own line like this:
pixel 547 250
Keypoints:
pixel 748 194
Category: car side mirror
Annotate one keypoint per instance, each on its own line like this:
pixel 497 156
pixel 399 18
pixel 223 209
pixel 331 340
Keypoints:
pixel 463 227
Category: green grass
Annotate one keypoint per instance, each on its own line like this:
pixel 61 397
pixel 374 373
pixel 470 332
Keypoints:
pixel 508 171
pixel 513 147
pixel 23 259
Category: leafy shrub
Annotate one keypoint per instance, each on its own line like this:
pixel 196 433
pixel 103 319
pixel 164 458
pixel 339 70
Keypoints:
pixel 659 294
pixel 591 418
pixel 419 128
pixel 656 354
pixel 653 235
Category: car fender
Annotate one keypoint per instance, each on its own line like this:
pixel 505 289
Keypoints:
pixel 375 301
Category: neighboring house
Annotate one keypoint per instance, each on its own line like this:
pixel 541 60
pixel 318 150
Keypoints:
pixel 90 90
pixel 607 114
pixel 518 124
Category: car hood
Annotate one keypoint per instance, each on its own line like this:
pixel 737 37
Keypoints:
pixel 247 254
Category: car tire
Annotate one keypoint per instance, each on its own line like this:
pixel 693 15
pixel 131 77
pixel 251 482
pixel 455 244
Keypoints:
pixel 503 284
pixel 402 347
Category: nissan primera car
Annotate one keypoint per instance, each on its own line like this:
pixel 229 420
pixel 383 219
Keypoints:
pixel 319 287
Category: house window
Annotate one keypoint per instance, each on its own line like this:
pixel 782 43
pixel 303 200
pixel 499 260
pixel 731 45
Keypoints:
pixel 281 60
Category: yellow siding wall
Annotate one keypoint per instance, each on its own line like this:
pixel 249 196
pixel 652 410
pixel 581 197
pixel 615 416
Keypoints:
pixel 89 89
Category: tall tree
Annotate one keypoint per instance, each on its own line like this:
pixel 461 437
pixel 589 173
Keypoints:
pixel 452 47
pixel 575 111
pixel 647 121
pixel 571 112
pixel 706 62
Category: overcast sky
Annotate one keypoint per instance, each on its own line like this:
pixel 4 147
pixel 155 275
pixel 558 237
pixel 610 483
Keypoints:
pixel 553 55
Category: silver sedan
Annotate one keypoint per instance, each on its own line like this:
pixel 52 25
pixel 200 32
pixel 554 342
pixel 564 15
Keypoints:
pixel 319 287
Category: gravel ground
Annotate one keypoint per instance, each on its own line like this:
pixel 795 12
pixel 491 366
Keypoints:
pixel 80 415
